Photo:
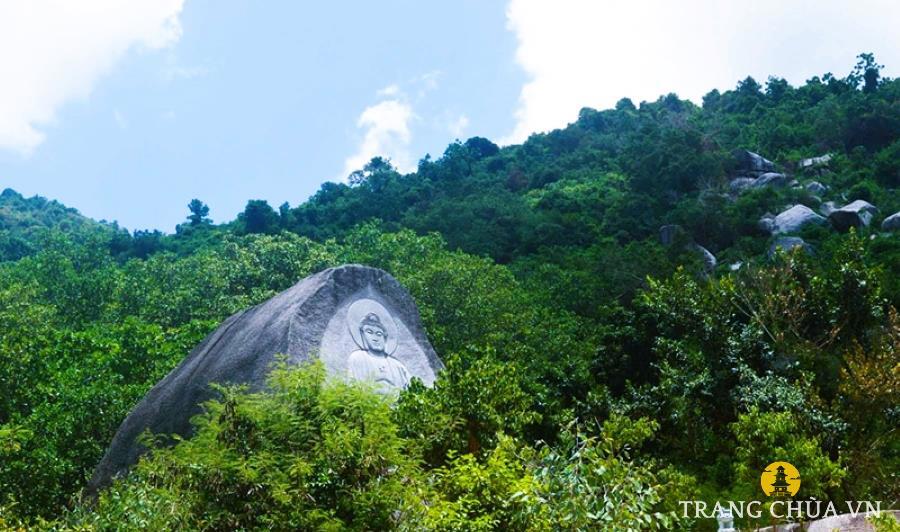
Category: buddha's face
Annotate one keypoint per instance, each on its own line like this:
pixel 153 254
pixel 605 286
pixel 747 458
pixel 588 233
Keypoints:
pixel 375 338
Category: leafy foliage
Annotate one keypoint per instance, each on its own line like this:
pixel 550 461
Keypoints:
pixel 593 376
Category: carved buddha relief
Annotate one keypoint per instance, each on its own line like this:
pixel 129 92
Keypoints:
pixel 375 333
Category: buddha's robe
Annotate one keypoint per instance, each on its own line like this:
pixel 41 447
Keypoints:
pixel 384 370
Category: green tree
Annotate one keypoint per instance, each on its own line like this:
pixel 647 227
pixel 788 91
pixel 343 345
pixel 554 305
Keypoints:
pixel 766 437
pixel 258 217
pixel 199 212
pixel 868 71
pixel 595 482
pixel 312 453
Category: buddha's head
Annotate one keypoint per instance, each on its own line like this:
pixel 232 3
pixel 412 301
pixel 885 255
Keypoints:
pixel 373 333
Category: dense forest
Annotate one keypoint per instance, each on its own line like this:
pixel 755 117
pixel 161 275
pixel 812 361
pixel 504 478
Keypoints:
pixel 623 321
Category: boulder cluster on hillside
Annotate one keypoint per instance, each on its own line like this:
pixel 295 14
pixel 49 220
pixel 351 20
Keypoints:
pixel 753 171
pixel 856 214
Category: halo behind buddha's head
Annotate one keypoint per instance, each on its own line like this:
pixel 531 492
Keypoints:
pixel 358 312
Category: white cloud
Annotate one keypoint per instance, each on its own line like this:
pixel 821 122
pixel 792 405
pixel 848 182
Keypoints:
pixel 387 134
pixel 391 90
pixel 54 51
pixel 427 82
pixel 458 126
pixel 581 53
pixel 387 125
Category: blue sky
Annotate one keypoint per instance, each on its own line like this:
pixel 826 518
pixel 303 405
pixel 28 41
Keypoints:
pixel 126 111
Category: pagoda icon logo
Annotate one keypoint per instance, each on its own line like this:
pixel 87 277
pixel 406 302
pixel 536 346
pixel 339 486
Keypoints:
pixel 780 479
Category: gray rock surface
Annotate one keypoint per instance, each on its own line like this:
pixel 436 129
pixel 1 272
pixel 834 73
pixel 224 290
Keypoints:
pixel 766 223
pixel 827 208
pixel 891 223
pixel 788 243
pixel 816 188
pixel 752 163
pixel 709 260
pixel 740 184
pixel 771 179
pixel 815 162
pixel 856 214
pixel 309 320
pixel 793 219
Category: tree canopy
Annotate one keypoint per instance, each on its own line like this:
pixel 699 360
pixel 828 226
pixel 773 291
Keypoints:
pixel 594 376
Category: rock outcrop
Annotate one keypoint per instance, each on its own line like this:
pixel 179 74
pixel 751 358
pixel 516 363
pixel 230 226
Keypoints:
pixel 752 164
pixel 891 223
pixel 795 218
pixel 739 184
pixel 827 208
pixel 351 318
pixel 766 223
pixel 815 188
pixel 821 161
pixel 856 214
pixel 771 179
pixel 709 260
pixel 787 244
pixel 755 171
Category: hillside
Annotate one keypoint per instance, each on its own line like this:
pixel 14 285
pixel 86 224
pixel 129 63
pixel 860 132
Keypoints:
pixel 579 210
pixel 23 222
pixel 619 327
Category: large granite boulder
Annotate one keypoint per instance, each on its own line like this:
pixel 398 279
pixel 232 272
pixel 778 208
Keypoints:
pixel 816 189
pixel 856 214
pixel 766 223
pixel 821 161
pixel 708 259
pixel 787 244
pixel 359 321
pixel 771 179
pixel 891 223
pixel 827 208
pixel 795 218
pixel 740 184
pixel 750 163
